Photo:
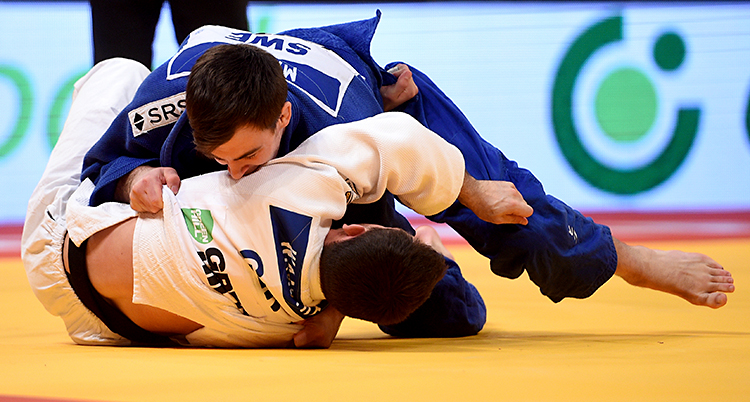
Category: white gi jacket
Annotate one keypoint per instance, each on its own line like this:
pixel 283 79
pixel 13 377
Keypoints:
pixel 240 257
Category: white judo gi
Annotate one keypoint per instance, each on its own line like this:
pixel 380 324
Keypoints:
pixel 239 257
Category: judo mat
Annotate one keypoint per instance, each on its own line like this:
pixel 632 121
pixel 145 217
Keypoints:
pixel 622 344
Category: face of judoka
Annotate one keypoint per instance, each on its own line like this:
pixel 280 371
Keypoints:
pixel 251 147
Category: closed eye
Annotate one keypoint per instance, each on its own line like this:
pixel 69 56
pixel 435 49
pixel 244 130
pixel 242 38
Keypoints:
pixel 250 155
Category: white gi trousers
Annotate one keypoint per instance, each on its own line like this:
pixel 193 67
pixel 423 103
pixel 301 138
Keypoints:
pixel 98 97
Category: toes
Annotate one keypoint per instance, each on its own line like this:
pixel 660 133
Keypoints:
pixel 726 288
pixel 720 272
pixel 716 300
pixel 720 287
pixel 723 283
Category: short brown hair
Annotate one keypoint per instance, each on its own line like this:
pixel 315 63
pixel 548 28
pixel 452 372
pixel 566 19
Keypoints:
pixel 381 276
pixel 232 86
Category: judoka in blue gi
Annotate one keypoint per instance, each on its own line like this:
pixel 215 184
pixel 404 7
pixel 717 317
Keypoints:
pixel 332 78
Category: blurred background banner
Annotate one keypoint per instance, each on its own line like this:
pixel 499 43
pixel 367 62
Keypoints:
pixel 616 107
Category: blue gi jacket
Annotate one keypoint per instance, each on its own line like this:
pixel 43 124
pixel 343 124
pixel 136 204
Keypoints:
pixel 153 130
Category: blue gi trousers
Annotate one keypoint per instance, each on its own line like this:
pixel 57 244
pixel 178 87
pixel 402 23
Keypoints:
pixel 564 253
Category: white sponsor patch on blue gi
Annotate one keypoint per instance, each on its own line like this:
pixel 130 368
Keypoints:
pixel 156 114
pixel 318 72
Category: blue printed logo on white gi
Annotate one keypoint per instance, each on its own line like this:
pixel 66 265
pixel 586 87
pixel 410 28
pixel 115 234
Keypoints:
pixel 291 232
pixel 215 268
pixel 318 72
pixel 255 263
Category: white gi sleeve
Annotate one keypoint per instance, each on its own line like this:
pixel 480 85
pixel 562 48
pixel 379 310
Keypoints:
pixel 390 151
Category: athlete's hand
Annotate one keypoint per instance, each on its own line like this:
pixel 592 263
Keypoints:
pixel 400 92
pixel 495 201
pixel 144 185
pixel 320 330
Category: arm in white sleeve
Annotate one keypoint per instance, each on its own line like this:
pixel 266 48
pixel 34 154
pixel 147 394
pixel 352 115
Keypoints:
pixel 390 151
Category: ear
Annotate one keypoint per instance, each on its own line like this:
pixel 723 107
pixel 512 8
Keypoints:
pixel 286 116
pixel 354 230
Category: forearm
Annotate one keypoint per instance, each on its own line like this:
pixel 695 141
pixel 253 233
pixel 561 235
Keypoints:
pixel 125 184
pixel 469 190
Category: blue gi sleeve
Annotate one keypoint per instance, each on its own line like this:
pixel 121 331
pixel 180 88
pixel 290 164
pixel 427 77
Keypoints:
pixel 454 309
pixel 112 157
pixel 138 135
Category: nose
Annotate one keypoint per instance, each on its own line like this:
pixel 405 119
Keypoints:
pixel 238 170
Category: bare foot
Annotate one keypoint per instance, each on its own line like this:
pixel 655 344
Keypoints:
pixel 692 276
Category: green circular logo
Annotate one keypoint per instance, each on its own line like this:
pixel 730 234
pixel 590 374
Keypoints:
pixel 669 51
pixel 59 109
pixel 23 120
pixel 626 107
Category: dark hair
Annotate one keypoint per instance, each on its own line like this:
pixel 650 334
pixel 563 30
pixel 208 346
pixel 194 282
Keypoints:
pixel 231 86
pixel 381 276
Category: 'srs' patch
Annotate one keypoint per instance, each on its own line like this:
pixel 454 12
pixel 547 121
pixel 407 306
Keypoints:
pixel 158 113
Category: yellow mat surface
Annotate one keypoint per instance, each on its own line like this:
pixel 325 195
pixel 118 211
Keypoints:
pixel 622 344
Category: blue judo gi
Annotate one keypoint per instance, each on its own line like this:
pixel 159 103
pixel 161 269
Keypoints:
pixel 565 254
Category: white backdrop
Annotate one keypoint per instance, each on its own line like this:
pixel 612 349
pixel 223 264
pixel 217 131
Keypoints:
pixel 501 63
